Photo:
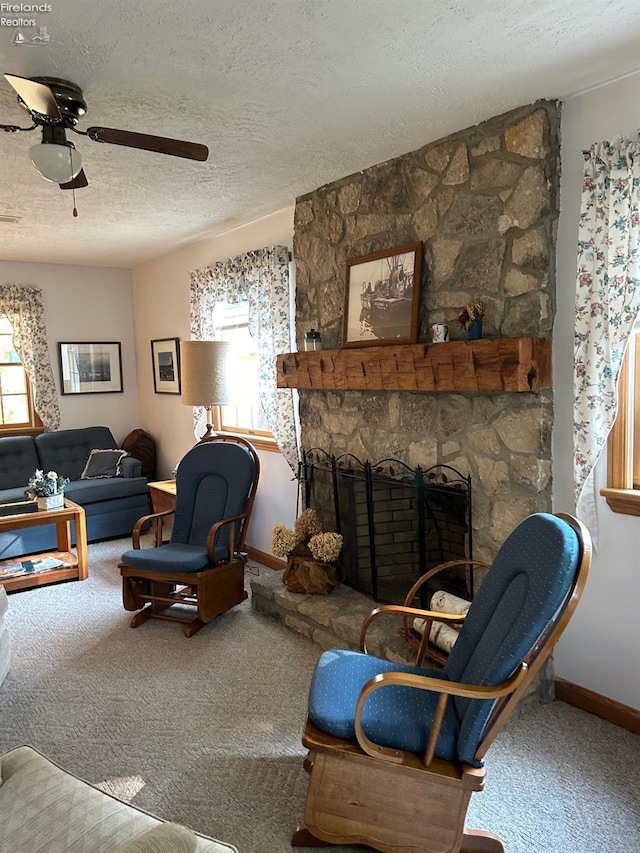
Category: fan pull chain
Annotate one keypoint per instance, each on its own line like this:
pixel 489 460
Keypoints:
pixel 73 189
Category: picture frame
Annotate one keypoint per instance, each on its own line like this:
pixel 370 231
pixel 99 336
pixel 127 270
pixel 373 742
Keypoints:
pixel 90 368
pixel 382 297
pixel 165 358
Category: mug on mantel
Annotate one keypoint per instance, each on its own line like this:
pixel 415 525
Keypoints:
pixel 439 333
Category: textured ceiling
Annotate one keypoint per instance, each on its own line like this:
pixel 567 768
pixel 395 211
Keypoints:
pixel 287 94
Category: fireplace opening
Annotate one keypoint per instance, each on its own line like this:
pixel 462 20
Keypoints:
pixel 397 522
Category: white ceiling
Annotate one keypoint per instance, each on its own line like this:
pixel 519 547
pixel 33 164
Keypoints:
pixel 288 95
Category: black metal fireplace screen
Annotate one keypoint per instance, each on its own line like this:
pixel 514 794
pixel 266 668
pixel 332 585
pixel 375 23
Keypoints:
pixel 397 522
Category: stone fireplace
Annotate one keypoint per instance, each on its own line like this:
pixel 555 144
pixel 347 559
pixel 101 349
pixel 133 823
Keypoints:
pixel 484 204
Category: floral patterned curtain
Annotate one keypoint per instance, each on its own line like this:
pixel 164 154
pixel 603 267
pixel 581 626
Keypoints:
pixel 260 277
pixel 607 296
pixel 24 309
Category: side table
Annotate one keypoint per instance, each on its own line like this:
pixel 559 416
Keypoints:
pixel 163 498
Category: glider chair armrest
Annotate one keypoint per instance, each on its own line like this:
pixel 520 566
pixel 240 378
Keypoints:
pixel 154 517
pixel 424 682
pixel 213 533
pixel 414 612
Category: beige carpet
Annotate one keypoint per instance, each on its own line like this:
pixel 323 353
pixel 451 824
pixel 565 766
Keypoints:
pixel 206 731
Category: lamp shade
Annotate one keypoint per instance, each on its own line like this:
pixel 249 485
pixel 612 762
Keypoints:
pixel 204 371
pixel 56 163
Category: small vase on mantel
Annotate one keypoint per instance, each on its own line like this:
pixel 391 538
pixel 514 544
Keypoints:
pixel 474 332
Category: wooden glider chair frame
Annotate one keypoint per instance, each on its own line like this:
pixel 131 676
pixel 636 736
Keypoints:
pixel 394 800
pixel 212 590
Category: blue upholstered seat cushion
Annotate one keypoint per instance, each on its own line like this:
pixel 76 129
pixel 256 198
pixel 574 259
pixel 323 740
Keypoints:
pixel 397 717
pixel 174 557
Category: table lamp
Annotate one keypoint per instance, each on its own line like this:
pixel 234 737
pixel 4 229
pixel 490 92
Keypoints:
pixel 204 371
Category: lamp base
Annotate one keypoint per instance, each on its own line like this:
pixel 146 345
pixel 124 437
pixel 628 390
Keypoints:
pixel 209 434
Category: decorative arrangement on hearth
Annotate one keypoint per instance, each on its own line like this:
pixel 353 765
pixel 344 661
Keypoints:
pixel 47 489
pixel 312 555
pixel 471 319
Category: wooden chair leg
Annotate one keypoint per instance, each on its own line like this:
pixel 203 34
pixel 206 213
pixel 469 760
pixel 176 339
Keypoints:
pixel 302 837
pixel 141 616
pixel 193 627
pixel 479 841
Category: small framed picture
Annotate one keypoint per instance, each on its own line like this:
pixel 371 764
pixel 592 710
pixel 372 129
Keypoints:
pixel 90 368
pixel 381 298
pixel 165 357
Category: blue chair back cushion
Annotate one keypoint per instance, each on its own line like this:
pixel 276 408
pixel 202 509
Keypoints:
pixel 212 483
pixel 528 582
pixel 526 586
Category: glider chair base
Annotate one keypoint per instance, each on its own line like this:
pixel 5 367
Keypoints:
pixel 212 591
pixel 391 807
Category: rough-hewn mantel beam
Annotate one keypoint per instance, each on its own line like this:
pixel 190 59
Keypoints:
pixel 498 365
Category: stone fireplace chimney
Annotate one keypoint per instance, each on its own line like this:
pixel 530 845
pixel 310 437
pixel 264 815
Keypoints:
pixel 484 204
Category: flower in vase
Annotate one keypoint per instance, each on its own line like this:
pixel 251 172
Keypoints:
pixel 44 485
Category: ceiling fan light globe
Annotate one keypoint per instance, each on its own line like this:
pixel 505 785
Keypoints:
pixel 56 163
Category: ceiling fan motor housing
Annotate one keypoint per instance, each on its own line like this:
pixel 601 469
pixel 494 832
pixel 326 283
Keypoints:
pixel 67 96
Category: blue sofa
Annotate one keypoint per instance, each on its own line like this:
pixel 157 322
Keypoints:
pixel 112 504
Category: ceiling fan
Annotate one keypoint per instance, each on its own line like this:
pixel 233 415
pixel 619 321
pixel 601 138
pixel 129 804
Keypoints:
pixel 55 106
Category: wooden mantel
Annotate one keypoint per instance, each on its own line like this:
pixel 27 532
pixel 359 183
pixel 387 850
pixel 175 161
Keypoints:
pixel 490 365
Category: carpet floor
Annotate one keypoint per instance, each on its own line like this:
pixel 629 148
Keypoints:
pixel 206 731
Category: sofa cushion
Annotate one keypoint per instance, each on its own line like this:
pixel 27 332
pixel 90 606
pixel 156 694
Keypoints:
pixel 47 809
pixel 103 463
pixel 67 450
pixel 166 838
pixel 104 488
pixel 18 461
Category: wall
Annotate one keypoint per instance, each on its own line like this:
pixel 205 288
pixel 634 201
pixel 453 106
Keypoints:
pixel 601 648
pixel 86 304
pixel 161 310
pixel 484 203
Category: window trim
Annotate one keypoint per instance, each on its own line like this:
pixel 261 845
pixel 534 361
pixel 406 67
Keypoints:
pixel 34 425
pixel 619 492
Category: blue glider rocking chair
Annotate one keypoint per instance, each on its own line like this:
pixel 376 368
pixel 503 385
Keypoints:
pixel 395 751
pixel 202 566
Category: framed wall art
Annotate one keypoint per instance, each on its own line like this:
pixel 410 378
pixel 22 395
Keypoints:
pixel 381 298
pixel 165 357
pixel 90 368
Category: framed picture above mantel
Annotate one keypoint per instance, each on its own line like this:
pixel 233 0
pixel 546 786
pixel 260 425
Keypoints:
pixel 382 297
pixel 90 368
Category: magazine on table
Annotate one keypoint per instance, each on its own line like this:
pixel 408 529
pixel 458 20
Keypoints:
pixel 28 567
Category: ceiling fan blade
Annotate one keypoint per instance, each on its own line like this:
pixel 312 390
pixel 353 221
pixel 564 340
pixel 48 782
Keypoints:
pixel 77 183
pixel 174 147
pixel 37 97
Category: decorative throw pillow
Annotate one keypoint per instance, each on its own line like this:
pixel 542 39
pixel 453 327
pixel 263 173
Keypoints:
pixel 103 463
pixel 166 838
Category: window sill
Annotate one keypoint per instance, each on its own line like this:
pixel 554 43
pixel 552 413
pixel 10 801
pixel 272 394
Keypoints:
pixel 626 501
pixel 21 431
pixel 260 442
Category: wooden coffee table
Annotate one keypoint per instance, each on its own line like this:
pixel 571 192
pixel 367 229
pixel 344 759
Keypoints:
pixel 76 567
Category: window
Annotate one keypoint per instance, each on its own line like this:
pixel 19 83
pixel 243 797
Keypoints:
pixel 245 416
pixel 16 405
pixel 623 447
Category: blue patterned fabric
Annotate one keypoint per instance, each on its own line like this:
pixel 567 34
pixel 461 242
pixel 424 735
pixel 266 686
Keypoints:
pixel 397 717
pixel 528 582
pixel 212 483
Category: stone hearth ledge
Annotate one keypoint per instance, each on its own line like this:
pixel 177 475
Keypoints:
pixel 334 621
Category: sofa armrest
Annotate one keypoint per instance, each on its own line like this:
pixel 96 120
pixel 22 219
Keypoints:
pixel 131 467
